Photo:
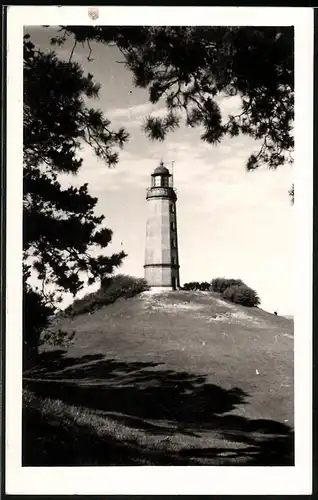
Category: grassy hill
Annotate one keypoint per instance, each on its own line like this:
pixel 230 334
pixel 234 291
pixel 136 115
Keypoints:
pixel 164 379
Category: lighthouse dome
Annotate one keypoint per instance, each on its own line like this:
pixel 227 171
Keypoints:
pixel 161 170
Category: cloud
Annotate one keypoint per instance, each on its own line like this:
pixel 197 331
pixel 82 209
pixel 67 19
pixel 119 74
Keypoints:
pixel 129 112
pixel 229 104
pixel 134 116
pixel 211 178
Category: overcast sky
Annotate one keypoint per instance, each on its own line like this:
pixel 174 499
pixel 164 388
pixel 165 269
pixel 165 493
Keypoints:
pixel 230 223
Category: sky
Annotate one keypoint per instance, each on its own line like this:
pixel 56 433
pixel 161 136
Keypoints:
pixel 230 223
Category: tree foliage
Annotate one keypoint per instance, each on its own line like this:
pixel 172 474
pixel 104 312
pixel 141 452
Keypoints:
pixel 191 68
pixel 62 236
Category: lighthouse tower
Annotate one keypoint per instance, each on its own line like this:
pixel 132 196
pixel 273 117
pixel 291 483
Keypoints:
pixel 161 256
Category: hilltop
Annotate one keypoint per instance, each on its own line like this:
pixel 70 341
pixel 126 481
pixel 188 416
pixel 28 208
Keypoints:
pixel 170 378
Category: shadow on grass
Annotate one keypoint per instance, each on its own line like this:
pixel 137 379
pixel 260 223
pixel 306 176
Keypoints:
pixel 144 396
pixel 48 441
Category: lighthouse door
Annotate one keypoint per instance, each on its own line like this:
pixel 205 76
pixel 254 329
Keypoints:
pixel 174 283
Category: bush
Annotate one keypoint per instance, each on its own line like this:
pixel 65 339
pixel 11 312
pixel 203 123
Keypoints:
pixel 204 286
pixel 192 285
pixel 121 286
pixel 111 289
pixel 57 338
pixel 241 294
pixel 195 285
pixel 221 284
pixel 82 306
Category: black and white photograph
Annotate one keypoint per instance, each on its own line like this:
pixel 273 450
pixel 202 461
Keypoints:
pixel 162 238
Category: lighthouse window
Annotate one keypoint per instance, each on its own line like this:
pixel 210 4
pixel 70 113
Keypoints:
pixel 165 181
pixel 173 225
pixel 157 181
pixel 174 243
pixel 173 260
pixel 172 208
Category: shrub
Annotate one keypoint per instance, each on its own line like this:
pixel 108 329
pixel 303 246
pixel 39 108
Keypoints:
pixel 57 338
pixel 220 284
pixel 82 306
pixel 188 286
pixel 192 285
pixel 111 289
pixel 241 294
pixel 121 285
pixel 204 286
pixel 195 285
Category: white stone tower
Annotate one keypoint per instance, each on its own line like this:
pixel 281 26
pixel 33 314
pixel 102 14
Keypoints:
pixel 161 257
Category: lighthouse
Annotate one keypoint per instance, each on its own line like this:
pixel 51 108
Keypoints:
pixel 161 255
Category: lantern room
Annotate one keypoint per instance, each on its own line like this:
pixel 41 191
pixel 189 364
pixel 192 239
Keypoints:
pixel 161 177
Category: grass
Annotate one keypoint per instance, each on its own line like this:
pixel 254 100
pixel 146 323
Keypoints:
pixel 181 378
